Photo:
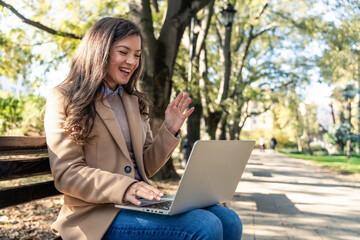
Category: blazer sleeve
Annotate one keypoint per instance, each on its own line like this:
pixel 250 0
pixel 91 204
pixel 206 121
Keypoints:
pixel 157 151
pixel 71 174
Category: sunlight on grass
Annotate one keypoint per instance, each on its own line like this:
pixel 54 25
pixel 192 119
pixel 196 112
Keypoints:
pixel 338 163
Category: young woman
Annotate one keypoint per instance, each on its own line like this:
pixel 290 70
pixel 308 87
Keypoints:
pixel 102 150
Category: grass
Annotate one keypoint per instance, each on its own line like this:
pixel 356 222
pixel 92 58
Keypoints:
pixel 335 162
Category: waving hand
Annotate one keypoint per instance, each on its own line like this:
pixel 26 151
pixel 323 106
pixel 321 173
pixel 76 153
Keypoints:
pixel 176 112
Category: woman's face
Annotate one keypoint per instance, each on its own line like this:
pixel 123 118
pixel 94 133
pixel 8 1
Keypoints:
pixel 124 59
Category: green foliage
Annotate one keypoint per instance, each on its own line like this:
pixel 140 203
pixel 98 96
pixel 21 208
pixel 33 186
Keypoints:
pixel 339 133
pixel 317 149
pixel 33 115
pixel 339 163
pixel 340 61
pixel 345 94
pixel 267 49
pixel 24 47
pixel 11 110
pixel 21 115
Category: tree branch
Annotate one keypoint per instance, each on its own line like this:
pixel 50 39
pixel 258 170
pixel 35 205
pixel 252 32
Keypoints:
pixel 205 24
pixel 155 5
pixel 218 34
pixel 293 22
pixel 267 28
pixel 242 61
pixel 239 43
pixel 262 10
pixel 196 5
pixel 178 17
pixel 37 24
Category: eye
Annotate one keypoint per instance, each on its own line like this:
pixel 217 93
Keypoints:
pixel 123 52
pixel 138 56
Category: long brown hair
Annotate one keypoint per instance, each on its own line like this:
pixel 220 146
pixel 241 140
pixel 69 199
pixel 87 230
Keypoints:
pixel 88 69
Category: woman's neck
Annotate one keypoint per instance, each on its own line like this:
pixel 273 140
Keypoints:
pixel 113 88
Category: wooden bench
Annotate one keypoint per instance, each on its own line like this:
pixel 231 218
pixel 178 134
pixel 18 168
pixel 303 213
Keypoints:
pixel 24 157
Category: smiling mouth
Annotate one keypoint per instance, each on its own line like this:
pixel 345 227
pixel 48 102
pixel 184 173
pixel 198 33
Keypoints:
pixel 124 70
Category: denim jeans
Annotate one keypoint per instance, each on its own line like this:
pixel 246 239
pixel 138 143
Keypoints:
pixel 215 222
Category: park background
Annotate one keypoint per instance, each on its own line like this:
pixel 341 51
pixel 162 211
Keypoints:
pixel 288 69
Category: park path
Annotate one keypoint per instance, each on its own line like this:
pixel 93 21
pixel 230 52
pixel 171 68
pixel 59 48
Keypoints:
pixel 283 198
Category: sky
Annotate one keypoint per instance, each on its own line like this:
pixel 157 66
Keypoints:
pixel 319 93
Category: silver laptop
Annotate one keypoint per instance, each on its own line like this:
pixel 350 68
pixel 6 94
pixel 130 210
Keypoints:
pixel 211 176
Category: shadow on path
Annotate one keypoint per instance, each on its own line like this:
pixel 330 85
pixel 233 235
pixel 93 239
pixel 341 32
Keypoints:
pixel 284 198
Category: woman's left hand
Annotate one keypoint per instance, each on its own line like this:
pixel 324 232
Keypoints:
pixel 175 113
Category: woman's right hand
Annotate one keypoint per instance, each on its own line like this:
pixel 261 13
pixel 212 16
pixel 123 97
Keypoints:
pixel 141 190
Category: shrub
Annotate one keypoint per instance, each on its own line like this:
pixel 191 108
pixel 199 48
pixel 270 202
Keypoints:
pixel 22 114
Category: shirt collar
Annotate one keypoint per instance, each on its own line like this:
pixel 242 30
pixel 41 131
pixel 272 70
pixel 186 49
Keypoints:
pixel 107 91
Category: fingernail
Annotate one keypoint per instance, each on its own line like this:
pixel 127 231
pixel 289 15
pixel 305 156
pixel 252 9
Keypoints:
pixel 151 197
pixel 158 198
pixel 161 194
pixel 138 203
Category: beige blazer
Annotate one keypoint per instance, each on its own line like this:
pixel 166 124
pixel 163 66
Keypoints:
pixel 92 176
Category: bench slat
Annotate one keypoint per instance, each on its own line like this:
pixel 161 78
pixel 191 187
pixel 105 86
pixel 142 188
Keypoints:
pixel 22 142
pixel 22 145
pixel 24 168
pixel 22 194
pixel 22 152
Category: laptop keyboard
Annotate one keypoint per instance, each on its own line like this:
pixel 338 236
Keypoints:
pixel 165 205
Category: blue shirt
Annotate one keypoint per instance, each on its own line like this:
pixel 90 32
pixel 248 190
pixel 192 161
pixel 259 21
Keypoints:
pixel 107 91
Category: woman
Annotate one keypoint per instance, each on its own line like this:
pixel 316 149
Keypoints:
pixel 102 151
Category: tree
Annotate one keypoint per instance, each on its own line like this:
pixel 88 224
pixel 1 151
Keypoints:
pixel 343 130
pixel 340 62
pixel 288 117
pixel 258 69
pixel 160 52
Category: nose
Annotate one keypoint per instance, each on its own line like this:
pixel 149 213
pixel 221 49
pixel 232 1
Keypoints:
pixel 132 60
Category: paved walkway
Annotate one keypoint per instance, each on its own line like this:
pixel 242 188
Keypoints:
pixel 284 198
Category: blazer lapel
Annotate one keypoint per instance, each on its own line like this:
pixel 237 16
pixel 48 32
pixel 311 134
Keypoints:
pixel 131 106
pixel 105 112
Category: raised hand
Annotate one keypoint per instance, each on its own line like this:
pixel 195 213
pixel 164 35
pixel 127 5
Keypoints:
pixel 175 113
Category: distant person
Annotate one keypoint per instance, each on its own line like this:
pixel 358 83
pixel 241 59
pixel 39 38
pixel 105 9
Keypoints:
pixel 262 143
pixel 273 143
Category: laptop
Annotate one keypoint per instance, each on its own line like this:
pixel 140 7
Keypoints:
pixel 211 175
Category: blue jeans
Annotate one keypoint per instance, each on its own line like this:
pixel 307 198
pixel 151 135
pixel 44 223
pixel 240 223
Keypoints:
pixel 215 222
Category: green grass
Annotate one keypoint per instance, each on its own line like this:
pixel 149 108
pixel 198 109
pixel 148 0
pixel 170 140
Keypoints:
pixel 338 163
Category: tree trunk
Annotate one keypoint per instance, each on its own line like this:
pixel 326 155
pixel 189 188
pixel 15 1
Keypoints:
pixel 348 141
pixel 212 122
pixel 232 133
pixel 193 127
pixel 234 129
pixel 160 55
pixel 341 145
pixel 308 136
pixel 298 140
pixel 194 120
pixel 358 113
pixel 223 127
pixel 332 112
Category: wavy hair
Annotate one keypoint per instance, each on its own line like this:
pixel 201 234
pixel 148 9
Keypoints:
pixel 88 69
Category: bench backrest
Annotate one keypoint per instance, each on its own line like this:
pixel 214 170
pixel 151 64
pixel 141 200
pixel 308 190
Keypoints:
pixel 24 157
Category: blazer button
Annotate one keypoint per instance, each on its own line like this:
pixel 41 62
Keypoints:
pixel 127 169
